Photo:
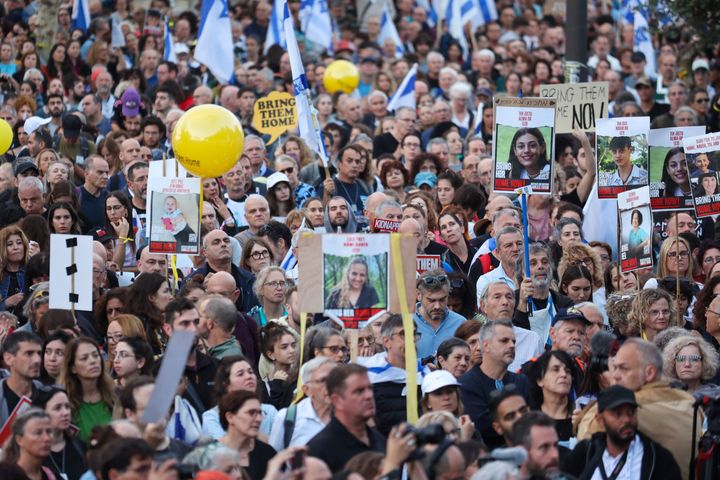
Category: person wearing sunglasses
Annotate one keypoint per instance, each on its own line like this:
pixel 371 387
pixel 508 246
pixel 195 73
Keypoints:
pixel 289 166
pixel 435 322
pixel 692 361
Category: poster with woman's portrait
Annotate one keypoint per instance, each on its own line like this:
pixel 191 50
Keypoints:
pixel 356 278
pixel 636 228
pixel 174 215
pixel 524 145
pixel 702 153
pixel 670 186
pixel 622 154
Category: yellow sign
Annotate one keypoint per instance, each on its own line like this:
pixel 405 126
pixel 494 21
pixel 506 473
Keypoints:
pixel 275 114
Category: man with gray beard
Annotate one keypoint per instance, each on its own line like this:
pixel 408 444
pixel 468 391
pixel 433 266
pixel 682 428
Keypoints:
pixel 537 303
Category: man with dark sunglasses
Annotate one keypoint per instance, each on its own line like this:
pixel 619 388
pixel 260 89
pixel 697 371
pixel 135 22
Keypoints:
pixel 434 320
pixel 301 191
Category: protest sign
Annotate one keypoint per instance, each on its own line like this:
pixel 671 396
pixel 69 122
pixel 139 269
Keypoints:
pixel 670 187
pixel 71 272
pixel 275 114
pixel 686 219
pixel 524 144
pixel 174 215
pixel 578 104
pixel 385 226
pixel 622 154
pixel 356 276
pixel 153 23
pixel 427 262
pixel 24 404
pixel 636 228
pixel 701 153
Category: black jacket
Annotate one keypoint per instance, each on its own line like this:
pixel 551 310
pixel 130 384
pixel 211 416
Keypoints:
pixel 520 319
pixel 657 463
pixel 390 405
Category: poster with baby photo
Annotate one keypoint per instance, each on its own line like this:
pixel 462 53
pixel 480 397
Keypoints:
pixel 702 153
pixel 636 228
pixel 622 154
pixel 174 215
pixel 670 187
pixel 524 144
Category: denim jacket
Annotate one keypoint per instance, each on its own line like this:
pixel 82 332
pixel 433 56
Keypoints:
pixel 5 286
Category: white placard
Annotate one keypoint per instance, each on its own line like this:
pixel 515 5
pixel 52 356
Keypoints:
pixel 71 265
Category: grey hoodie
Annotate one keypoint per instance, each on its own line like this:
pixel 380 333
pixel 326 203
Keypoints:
pixel 351 226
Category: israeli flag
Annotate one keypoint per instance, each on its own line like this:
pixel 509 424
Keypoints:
pixel 308 123
pixel 478 118
pixel 275 34
pixel 432 17
pixel 315 22
pixel 485 12
pixel 642 42
pixel 404 96
pixel 81 15
pixel 215 35
pixel 388 31
pixel 457 14
pixel 169 48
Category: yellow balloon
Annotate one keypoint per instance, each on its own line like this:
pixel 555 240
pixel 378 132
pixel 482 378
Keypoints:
pixel 6 136
pixel 208 140
pixel 341 76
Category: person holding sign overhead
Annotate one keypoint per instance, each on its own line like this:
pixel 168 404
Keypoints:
pixel 626 173
pixel 528 155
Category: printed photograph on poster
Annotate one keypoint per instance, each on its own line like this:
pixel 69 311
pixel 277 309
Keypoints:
pixel 670 186
pixel 622 154
pixel 153 23
pixel 686 222
pixel 636 229
pixel 524 144
pixel 701 153
pixel 356 277
pixel 174 215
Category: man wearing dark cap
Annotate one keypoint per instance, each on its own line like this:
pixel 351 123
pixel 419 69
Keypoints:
pixel 621 451
pixel 72 144
pixel 646 93
pixel 626 173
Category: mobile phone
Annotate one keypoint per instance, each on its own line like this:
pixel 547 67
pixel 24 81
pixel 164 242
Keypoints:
pixel 298 460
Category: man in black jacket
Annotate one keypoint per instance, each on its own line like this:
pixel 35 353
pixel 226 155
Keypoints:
pixel 621 448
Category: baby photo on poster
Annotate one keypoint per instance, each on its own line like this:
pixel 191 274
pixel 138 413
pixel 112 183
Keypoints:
pixel 174 219
pixel 524 146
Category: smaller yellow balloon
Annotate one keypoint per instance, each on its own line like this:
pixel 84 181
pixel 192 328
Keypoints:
pixel 341 76
pixel 208 140
pixel 6 136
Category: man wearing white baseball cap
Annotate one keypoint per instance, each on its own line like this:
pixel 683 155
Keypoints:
pixel 33 123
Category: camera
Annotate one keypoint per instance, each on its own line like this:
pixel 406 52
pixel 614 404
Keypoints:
pixel 432 434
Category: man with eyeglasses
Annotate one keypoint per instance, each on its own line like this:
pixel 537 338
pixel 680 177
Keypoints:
pixel 301 191
pixel 388 375
pixel 410 148
pixel 677 96
pixel 298 424
pixel 392 142
pixel 181 315
pixel 434 321
pixel 665 414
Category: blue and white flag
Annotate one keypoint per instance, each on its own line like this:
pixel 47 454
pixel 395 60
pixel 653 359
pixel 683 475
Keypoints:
pixel 388 31
pixel 485 12
pixel 315 22
pixel 457 14
pixel 81 15
pixel 478 118
pixel 642 42
pixel 308 123
pixel 214 45
pixel 169 47
pixel 117 39
pixel 275 34
pixel 404 96
pixel 432 17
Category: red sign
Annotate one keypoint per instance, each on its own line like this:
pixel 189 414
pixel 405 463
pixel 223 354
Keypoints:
pixel 427 262
pixel 386 226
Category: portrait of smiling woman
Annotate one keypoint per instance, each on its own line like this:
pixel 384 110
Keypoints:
pixel 528 155
pixel 355 290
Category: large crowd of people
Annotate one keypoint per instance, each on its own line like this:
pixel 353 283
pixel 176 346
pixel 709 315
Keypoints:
pixel 548 364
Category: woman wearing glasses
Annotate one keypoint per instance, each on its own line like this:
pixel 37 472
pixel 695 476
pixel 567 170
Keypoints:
pixel 325 342
pixel 269 287
pixel 652 312
pixel 690 360
pixel 256 255
pixel 118 219
pixel 354 290
pixel 674 259
pixel 133 357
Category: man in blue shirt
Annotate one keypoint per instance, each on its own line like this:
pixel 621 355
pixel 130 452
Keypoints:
pixel 435 321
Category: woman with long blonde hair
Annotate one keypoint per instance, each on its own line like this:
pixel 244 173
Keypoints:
pixel 354 290
pixel 652 312
pixel 674 260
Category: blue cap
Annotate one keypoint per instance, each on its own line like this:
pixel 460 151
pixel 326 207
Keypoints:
pixel 426 178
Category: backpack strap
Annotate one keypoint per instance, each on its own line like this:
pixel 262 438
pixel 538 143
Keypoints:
pixel 289 424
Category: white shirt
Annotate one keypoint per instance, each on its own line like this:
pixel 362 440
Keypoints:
pixel 498 274
pixel 307 425
pixel 633 465
pixel 527 345
pixel 238 211
pixel 638 176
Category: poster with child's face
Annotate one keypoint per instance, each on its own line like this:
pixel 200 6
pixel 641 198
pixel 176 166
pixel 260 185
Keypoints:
pixel 153 23
pixel 174 215
pixel 356 278
pixel 670 186
pixel 524 144
pixel 702 153
pixel 636 228
pixel 622 154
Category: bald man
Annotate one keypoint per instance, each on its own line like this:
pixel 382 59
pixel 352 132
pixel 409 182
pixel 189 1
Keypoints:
pixel 246 330
pixel 373 201
pixel 202 95
pixel 129 154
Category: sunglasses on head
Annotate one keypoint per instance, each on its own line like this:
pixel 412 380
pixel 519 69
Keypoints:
pixel 431 280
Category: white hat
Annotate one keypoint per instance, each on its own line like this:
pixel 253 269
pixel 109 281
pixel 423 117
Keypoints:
pixel 181 48
pixel 276 178
pixel 437 380
pixel 699 63
pixel 33 123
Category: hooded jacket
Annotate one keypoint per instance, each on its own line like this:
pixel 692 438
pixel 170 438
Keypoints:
pixel 351 227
